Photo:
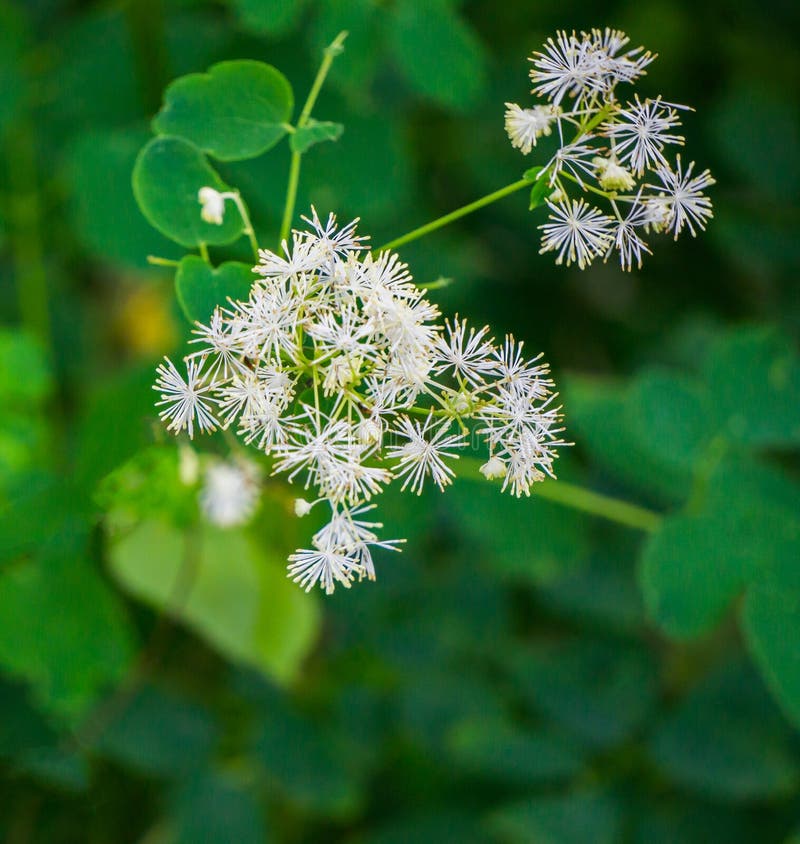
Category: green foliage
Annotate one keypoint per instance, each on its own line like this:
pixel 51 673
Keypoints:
pixel 13 37
pixel 224 587
pixel 71 637
pixel 167 178
pixel 438 53
pixel 200 287
pixel 315 132
pixel 237 110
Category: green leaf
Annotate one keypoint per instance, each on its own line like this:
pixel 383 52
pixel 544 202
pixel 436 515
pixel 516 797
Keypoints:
pixel 754 379
pixel 694 565
pixel 238 599
pixel 25 377
pixel 269 17
pixel 160 733
pixel 533 541
pixel 215 808
pixel 438 53
pixel 580 817
pixel 504 752
pixel 315 132
pixel 727 740
pixel 64 631
pixel 13 37
pixel 201 287
pixel 601 691
pixel 106 218
pixel 238 110
pixel 541 185
pixel 167 178
pixel 670 416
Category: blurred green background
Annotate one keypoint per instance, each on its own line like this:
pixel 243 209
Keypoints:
pixel 522 672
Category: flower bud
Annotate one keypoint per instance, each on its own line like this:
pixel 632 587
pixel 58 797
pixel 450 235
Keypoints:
pixel 614 177
pixel 213 205
pixel 302 507
pixel 494 468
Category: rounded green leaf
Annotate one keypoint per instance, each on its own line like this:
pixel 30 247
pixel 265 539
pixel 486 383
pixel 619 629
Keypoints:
pixel 167 178
pixel 242 603
pixel 201 287
pixel 239 109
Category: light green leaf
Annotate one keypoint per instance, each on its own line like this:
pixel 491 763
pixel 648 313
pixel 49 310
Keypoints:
pixel 438 53
pixel 727 740
pixel 239 109
pixel 64 631
pixel 239 599
pixel 541 185
pixel 167 178
pixel 200 287
pixel 315 133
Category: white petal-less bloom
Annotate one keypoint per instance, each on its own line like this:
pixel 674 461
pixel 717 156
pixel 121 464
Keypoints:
pixel 212 205
pixel 186 402
pixel 569 66
pixel 525 126
pixel 337 369
pixel 467 353
pixel 230 493
pixel 326 566
pixel 577 232
pixel 494 468
pixel 606 148
pixel 641 131
pixel 683 197
pixel 424 452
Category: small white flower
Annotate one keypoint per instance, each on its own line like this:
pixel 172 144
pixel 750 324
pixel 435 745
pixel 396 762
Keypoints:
pixel 230 493
pixel 302 507
pixel 423 454
pixel 576 231
pixel 468 354
pixel 568 66
pixel 684 199
pixel 525 126
pixel 494 468
pixel 324 566
pixel 186 401
pixel 612 176
pixel 641 131
pixel 213 205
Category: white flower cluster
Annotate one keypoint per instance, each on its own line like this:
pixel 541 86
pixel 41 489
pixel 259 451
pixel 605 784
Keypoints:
pixel 606 148
pixel 336 368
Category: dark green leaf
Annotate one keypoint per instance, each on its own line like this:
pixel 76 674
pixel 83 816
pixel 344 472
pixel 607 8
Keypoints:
pixel 580 817
pixel 239 109
pixel 438 53
pixel 201 287
pixel 167 178
pixel 727 740
pixel 269 17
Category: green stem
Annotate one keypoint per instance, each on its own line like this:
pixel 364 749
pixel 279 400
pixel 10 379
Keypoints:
pixel 248 225
pixel 30 273
pixel 455 215
pixel 158 261
pixel 579 498
pixel 330 53
pixel 204 252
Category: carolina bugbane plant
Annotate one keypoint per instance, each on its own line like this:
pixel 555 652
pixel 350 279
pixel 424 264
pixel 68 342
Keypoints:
pixel 341 372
